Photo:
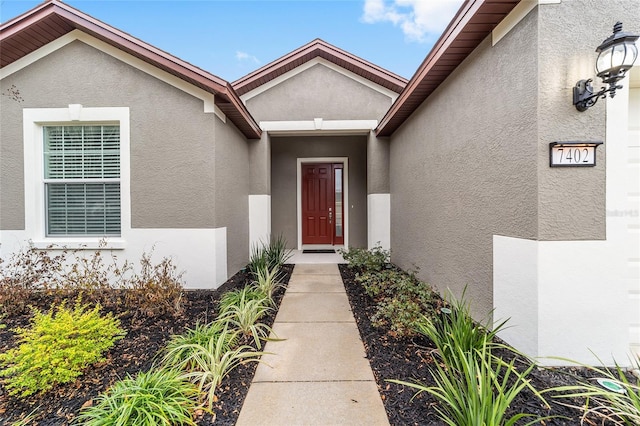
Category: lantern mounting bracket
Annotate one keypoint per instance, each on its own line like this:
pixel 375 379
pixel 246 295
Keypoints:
pixel 584 98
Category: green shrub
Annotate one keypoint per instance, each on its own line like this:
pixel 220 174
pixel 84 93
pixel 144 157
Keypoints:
pixel 58 347
pixel 178 350
pixel 479 390
pixel 618 407
pixel 454 329
pixel 362 260
pixel 157 397
pixel 402 300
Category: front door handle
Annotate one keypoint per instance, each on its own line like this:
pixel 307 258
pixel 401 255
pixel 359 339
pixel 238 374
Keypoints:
pixel 330 215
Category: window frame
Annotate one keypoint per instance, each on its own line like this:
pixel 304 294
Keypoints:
pixel 34 121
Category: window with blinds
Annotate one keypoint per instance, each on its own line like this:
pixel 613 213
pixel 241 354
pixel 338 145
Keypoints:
pixel 82 180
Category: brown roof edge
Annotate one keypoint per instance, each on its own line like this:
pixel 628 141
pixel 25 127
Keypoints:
pixel 313 49
pixel 190 73
pixel 442 55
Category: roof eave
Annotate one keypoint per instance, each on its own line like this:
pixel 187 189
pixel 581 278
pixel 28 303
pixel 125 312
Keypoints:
pixel 425 80
pixel 221 89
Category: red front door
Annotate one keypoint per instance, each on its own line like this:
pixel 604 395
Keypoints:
pixel 319 203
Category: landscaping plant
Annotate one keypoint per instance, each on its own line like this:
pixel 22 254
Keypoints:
pixel 156 397
pixel 242 310
pixel 454 329
pixel 401 300
pixel 156 290
pixel 362 260
pixel 178 351
pixel 211 362
pixel 267 282
pixel 271 255
pixel 479 390
pixel 619 407
pixel 57 347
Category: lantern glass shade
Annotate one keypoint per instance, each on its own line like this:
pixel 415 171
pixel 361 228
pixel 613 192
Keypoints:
pixel 615 59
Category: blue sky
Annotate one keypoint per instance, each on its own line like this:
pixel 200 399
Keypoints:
pixel 232 38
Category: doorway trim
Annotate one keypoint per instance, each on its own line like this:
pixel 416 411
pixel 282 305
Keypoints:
pixel 345 189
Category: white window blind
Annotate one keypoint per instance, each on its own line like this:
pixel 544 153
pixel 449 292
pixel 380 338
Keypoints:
pixel 82 180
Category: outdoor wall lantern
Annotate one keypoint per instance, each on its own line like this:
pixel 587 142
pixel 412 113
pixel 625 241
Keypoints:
pixel 616 56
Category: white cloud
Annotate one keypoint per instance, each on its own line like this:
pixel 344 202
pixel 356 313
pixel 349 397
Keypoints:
pixel 416 18
pixel 243 56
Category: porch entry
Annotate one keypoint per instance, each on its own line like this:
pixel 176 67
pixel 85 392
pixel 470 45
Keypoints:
pixel 322 199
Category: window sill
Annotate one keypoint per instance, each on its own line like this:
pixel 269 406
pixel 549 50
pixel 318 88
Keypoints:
pixel 80 244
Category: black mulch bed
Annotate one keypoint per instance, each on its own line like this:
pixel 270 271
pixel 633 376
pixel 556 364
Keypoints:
pixel 409 360
pixel 136 352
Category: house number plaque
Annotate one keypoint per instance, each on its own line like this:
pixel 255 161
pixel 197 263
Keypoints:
pixel 573 154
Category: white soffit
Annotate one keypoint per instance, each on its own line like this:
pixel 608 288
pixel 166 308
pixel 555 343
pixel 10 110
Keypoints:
pixel 318 126
pixel 206 97
pixel 318 61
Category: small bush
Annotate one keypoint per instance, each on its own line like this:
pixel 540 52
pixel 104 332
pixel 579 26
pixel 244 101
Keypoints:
pixel 58 347
pixel 402 300
pixel 157 397
pixel 25 271
pixel 361 260
pixel 156 290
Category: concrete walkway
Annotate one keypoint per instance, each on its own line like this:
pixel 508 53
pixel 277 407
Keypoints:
pixel 319 375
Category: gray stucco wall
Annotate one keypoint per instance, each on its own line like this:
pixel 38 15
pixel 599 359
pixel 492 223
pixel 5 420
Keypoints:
pixel 172 139
pixel 284 154
pixel 464 168
pixel 319 92
pixel 377 165
pixel 572 200
pixel 260 165
pixel 232 192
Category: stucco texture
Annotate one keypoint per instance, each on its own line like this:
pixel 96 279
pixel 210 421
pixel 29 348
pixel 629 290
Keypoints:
pixel 319 92
pixel 232 192
pixel 172 139
pixel 572 200
pixel 463 168
pixel 284 154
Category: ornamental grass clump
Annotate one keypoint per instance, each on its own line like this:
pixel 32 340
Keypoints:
pixel 243 309
pixel 474 386
pixel 178 351
pixel 479 390
pixel 156 397
pixel 454 329
pixel 617 404
pixel 267 283
pixel 58 347
pixel 209 363
pixel 271 255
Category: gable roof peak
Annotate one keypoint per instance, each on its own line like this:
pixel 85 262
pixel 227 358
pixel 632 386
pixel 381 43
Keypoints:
pixel 53 19
pixel 319 48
